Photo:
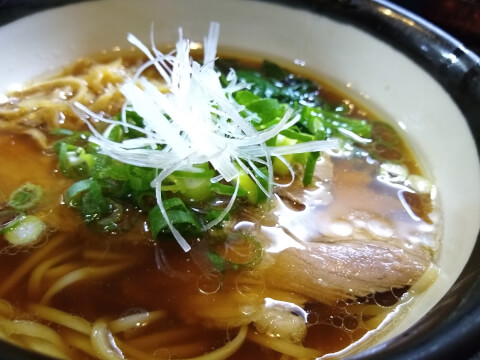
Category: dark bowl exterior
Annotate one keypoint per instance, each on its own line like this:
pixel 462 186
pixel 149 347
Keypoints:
pixel 450 330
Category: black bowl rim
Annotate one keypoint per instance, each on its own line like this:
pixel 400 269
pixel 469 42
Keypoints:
pixel 450 329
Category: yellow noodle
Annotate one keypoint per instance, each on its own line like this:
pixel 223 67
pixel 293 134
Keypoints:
pixel 84 273
pixel 229 309
pixel 228 349
pixel 50 116
pixel 6 309
pixel 374 322
pixel 32 329
pixel 368 310
pixel 104 101
pixel 77 85
pixel 38 97
pixel 428 277
pixel 185 350
pixel 37 135
pixel 161 338
pixel 62 318
pixel 5 336
pixel 283 346
pixel 80 342
pixel 221 312
pixel 42 105
pixel 44 347
pixel 48 103
pixel 136 353
pixel 100 75
pixel 30 263
pixel 249 283
pixel 10 113
pixel 135 320
pixel 104 255
pixel 60 270
pixel 426 280
pixel 35 280
pixel 103 342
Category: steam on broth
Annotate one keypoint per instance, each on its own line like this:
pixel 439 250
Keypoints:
pixel 312 270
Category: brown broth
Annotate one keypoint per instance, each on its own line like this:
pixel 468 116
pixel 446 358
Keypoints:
pixel 163 277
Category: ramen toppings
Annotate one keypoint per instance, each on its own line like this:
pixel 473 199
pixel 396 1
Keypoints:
pixel 198 122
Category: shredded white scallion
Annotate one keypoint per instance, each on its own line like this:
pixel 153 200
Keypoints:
pixel 196 121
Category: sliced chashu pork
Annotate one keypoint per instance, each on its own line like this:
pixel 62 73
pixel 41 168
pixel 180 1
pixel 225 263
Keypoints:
pixel 345 269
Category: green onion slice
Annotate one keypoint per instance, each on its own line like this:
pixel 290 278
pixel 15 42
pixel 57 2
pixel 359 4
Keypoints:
pixel 74 192
pixel 25 197
pixel 9 218
pixel 74 161
pixel 310 168
pixel 27 231
pixel 236 252
pixel 178 214
pixel 223 189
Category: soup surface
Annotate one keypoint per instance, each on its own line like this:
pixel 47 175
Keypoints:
pixel 313 270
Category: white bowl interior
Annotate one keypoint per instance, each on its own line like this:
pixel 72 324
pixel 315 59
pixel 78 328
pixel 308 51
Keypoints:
pixel 358 63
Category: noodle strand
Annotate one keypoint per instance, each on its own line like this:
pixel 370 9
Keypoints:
pixel 88 272
pixel 35 281
pixel 284 347
pixel 227 350
pixel 62 318
pixel 6 309
pixel 80 342
pixel 162 338
pixel 44 347
pixel 104 343
pixel 30 263
pixel 135 320
pixel 33 329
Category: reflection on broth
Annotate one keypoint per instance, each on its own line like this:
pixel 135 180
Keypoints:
pixel 312 271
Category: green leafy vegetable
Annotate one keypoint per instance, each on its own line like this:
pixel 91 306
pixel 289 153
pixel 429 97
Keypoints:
pixel 271 81
pixel 324 124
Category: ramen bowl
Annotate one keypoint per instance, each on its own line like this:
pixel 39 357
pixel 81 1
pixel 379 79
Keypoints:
pixel 404 69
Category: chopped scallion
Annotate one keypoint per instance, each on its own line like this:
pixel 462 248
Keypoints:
pixel 310 168
pixel 27 231
pixel 25 197
pixel 9 218
pixel 178 214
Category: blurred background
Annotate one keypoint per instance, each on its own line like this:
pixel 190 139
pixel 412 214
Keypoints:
pixel 460 18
